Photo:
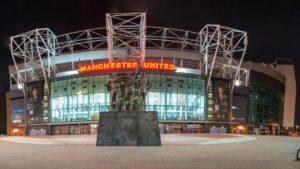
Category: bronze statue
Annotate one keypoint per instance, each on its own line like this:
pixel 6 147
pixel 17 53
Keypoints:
pixel 129 92
pixel 143 86
pixel 124 89
pixel 113 86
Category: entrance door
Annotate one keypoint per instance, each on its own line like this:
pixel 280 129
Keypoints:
pixel 174 128
pixel 193 128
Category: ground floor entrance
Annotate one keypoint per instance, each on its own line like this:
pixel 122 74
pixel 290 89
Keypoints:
pixel 75 129
pixel 164 127
pixel 179 128
pixel 17 131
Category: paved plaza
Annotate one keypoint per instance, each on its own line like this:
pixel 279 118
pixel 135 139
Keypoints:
pixel 177 152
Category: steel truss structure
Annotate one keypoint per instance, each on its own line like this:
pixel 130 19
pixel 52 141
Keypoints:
pixel 126 30
pixel 220 49
pixel 32 52
pixel 224 49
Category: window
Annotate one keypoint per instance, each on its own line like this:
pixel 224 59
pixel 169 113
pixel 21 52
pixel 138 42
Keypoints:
pixel 173 100
pixel 265 104
pixel 173 96
pixel 81 98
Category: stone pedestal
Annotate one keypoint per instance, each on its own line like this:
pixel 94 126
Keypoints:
pixel 121 128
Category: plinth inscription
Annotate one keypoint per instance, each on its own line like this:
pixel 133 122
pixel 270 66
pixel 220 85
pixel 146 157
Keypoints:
pixel 136 128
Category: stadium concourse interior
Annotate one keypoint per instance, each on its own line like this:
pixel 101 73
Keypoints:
pixel 199 80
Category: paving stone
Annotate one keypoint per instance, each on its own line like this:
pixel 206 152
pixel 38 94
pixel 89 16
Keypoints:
pixel 266 152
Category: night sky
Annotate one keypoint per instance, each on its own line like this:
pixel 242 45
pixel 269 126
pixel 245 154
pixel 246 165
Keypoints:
pixel 273 26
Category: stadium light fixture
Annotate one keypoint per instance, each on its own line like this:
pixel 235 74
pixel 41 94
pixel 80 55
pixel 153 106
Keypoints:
pixel 237 82
pixel 19 86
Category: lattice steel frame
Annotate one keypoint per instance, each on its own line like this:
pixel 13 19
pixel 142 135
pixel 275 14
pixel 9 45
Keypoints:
pixel 126 30
pixel 32 50
pixel 221 49
pixel 85 40
pixel 224 49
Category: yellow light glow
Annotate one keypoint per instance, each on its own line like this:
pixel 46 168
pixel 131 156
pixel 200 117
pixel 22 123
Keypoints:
pixel 240 127
pixel 15 130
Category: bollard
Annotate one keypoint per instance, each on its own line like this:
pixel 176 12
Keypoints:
pixel 298 154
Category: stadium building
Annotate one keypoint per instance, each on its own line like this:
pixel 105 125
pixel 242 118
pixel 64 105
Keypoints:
pixel 200 81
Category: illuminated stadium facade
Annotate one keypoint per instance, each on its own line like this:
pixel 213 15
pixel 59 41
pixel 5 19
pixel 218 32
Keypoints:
pixel 199 80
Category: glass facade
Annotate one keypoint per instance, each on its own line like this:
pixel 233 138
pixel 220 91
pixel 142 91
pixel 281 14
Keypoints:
pixel 17 112
pixel 240 104
pixel 79 98
pixel 265 104
pixel 175 97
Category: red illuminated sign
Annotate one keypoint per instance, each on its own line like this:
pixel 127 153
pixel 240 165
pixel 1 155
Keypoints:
pixel 125 65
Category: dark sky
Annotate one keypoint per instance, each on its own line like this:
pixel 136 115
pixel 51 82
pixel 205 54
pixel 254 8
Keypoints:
pixel 273 26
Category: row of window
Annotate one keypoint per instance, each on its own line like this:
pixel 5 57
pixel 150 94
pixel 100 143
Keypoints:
pixel 265 104
pixel 174 97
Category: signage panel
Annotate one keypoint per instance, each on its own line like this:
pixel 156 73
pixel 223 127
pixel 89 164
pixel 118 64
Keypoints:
pixel 125 65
